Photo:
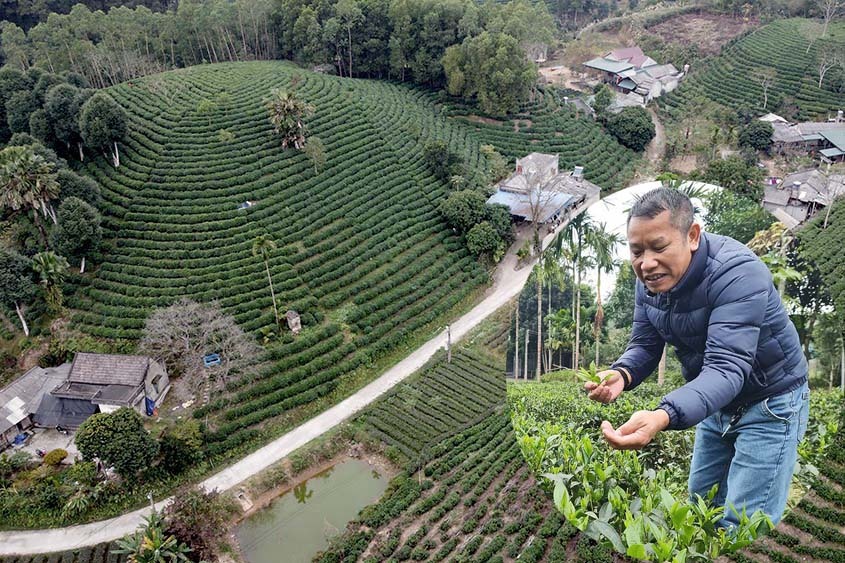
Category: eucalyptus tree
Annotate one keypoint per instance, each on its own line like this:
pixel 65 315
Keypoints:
pixel 102 123
pixel 28 183
pixel 17 289
pixel 78 232
pixel 62 106
pixel 602 243
pixel 51 268
pixel 262 246
pixel 350 15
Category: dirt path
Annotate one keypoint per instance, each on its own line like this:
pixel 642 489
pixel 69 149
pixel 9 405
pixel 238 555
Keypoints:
pixel 508 282
pixel 657 147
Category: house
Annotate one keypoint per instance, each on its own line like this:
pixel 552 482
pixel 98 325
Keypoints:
pixel 108 382
pixel 20 399
pixel 538 186
pixel 632 72
pixel 800 196
pixel 823 138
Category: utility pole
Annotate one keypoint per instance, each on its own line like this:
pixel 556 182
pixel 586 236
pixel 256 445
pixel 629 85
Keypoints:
pixel 448 344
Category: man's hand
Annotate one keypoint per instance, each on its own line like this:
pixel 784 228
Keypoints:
pixel 609 389
pixel 640 429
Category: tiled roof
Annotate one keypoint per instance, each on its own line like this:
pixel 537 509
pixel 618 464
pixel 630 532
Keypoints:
pixel 108 369
pixel 633 55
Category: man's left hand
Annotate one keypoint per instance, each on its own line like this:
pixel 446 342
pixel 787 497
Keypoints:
pixel 640 429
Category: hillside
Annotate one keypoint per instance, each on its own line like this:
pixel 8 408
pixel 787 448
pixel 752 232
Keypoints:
pixel 363 253
pixel 730 78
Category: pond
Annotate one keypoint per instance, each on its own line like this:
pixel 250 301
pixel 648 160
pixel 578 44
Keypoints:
pixel 300 522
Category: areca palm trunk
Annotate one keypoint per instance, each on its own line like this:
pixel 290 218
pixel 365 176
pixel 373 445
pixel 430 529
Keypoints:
pixel 272 293
pixel 599 313
pixel 539 325
pixel 578 307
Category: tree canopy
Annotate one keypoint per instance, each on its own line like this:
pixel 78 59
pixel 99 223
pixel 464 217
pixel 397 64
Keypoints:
pixel 490 68
pixel 118 439
pixel 78 232
pixel 102 123
pixel 464 209
pixel 756 135
pixel 632 127
pixel 735 216
pixel 735 174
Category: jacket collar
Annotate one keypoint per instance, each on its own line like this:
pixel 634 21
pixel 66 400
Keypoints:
pixel 695 270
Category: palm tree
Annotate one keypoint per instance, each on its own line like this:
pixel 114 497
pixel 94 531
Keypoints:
pixel 286 115
pixel 553 275
pixel 28 182
pixel 262 246
pixel 150 545
pixel 576 233
pixel 602 243
pixel 539 278
pixel 561 329
pixel 51 268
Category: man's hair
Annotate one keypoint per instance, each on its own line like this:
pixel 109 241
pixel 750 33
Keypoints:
pixel 658 200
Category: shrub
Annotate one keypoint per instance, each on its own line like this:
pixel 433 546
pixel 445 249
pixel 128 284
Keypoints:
pixel 198 519
pixel 55 457
pixel 181 445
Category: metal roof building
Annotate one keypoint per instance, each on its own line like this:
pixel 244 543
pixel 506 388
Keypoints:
pixel 20 399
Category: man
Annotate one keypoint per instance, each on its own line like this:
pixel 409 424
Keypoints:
pixel 714 301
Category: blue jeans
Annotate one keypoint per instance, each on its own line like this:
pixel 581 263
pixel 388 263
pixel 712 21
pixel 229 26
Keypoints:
pixel 753 459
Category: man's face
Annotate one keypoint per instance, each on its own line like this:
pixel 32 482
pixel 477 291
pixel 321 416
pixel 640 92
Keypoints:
pixel 660 253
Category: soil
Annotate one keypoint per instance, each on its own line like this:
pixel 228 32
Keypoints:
pixel 29 359
pixel 684 164
pixel 517 123
pixel 707 31
pixel 560 74
pixel 479 119
pixel 657 146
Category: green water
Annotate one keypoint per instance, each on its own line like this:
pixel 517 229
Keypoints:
pixel 299 523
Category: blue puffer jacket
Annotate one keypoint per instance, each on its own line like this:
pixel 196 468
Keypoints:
pixel 731 333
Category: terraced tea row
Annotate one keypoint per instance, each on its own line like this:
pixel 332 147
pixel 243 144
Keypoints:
pixel 790 48
pixel 549 128
pixel 443 399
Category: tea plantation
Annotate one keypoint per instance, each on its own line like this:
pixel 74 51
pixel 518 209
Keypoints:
pixel 730 78
pixel 362 252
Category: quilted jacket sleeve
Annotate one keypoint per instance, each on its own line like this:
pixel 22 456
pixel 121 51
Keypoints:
pixel 644 348
pixel 737 295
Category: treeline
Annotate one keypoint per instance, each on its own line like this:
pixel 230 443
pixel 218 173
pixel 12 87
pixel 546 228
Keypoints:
pixel 27 13
pixel 397 39
pixel 114 46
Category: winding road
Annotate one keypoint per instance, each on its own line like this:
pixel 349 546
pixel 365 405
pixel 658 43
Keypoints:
pixel 508 282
